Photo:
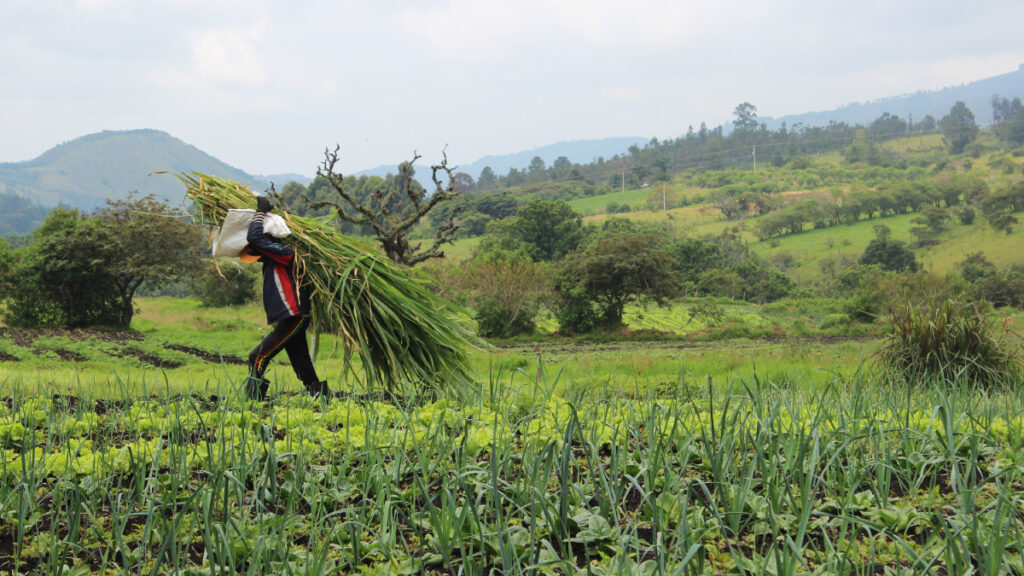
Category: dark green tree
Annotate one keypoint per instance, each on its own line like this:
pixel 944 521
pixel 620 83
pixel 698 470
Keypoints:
pixel 7 262
pixel 486 179
pixel 548 229
pixel 976 267
pixel 156 244
pixel 537 167
pixel 890 255
pixel 80 271
pixel 929 224
pixel 1013 129
pixel 958 127
pixel 67 277
pixel 887 126
pixel 607 275
pixel 746 116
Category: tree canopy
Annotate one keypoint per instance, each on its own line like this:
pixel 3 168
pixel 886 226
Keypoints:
pixel 959 127
pixel 84 270
pixel 595 284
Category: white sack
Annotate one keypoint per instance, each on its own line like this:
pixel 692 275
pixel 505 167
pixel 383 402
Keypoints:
pixel 231 239
pixel 275 226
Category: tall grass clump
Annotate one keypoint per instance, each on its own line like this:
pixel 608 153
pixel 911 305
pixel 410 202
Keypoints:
pixel 950 338
pixel 385 312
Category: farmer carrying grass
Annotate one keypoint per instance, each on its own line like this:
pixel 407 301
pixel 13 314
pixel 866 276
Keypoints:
pixel 288 309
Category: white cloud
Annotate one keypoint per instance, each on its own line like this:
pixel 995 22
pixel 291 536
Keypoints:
pixel 228 56
pixel 262 83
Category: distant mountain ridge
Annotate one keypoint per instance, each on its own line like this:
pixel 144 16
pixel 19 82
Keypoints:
pixel 976 95
pixel 84 172
pixel 576 151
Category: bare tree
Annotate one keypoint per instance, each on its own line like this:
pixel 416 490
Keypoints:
pixel 393 213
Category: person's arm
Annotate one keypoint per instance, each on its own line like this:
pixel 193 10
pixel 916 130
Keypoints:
pixel 264 243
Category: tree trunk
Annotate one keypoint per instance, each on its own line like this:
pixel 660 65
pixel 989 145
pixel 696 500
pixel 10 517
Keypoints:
pixel 127 298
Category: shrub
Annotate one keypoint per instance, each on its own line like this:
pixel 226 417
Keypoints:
pixel 68 279
pixel 233 285
pixel 1006 289
pixel 494 321
pixel 890 255
pixel 707 313
pixel 948 338
pixel 834 321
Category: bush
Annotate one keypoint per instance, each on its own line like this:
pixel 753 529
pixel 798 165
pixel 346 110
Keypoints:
pixel 233 285
pixel 891 255
pixel 948 338
pixel 68 279
pixel 1002 289
pixel 494 321
pixel 834 321
pixel 707 313
pixel 576 313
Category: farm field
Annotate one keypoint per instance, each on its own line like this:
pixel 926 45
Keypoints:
pixel 783 455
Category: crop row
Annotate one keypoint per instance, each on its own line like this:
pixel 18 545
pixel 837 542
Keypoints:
pixel 851 479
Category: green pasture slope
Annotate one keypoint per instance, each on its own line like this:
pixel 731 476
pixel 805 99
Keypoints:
pixel 811 249
pixel 558 457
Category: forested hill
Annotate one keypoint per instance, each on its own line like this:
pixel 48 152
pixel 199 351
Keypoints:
pixel 84 172
pixel 977 95
pixel 576 151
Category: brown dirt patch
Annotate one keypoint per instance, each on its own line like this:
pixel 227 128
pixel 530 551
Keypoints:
pixel 5 357
pixel 147 358
pixel 68 355
pixel 25 337
pixel 208 356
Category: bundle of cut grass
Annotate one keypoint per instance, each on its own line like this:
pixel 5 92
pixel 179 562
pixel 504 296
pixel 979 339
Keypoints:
pixel 385 312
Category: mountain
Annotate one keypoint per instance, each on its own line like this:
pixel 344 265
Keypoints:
pixel 280 180
pixel 576 151
pixel 977 95
pixel 84 172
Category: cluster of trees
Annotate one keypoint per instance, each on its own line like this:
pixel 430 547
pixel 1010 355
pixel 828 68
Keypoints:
pixel 546 257
pixel 705 148
pixel 19 216
pixel 984 281
pixel 82 270
pixel 938 201
pixel 1008 119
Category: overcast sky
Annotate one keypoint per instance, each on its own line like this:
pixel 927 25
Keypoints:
pixel 266 85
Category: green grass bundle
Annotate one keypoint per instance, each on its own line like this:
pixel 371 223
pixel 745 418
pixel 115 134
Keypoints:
pixel 385 312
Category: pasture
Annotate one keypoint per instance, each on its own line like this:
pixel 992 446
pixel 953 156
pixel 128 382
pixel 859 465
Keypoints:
pixel 134 453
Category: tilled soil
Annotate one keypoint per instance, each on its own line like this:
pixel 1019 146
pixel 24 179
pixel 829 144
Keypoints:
pixel 208 356
pixel 26 338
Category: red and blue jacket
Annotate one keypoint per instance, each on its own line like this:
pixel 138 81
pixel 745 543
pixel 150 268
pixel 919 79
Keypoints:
pixel 282 295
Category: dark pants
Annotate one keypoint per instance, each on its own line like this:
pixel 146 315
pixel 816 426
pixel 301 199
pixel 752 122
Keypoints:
pixel 288 334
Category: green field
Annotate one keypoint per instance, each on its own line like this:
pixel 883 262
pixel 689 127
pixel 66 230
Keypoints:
pixel 682 455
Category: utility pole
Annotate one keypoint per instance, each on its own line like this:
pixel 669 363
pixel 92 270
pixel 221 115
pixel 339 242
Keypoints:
pixel 623 180
pixel 664 202
pixel 754 153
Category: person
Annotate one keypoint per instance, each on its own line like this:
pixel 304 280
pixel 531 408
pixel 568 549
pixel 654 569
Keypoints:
pixel 287 305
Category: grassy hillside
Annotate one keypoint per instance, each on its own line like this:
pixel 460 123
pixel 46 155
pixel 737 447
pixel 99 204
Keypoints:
pixel 812 253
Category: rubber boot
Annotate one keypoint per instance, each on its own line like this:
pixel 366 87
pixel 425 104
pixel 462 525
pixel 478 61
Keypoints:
pixel 257 388
pixel 318 389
